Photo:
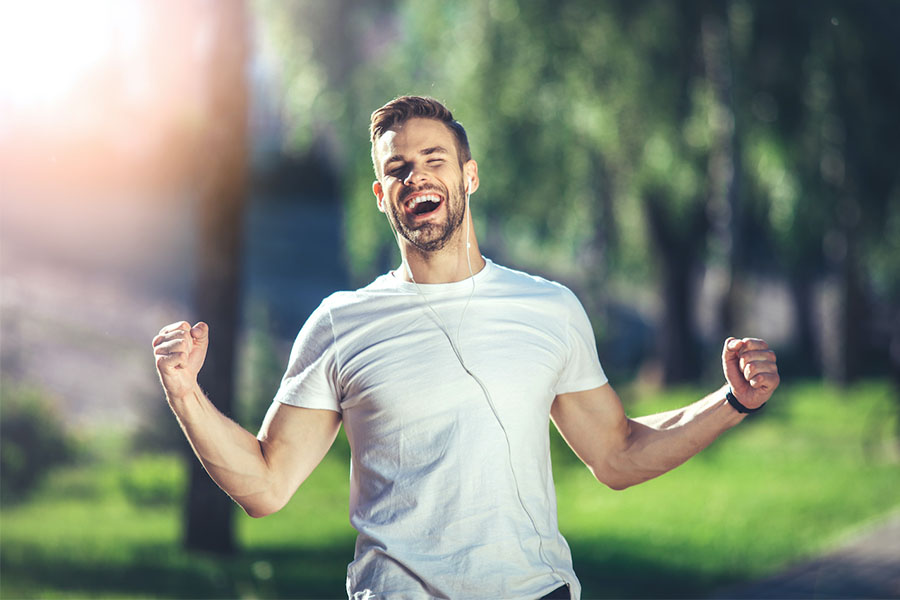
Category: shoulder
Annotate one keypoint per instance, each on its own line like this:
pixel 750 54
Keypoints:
pixel 520 282
pixel 552 300
pixel 380 287
pixel 349 308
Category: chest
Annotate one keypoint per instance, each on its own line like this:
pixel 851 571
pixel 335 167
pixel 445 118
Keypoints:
pixel 401 366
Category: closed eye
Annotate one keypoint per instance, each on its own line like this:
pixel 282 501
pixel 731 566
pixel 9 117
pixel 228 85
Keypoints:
pixel 397 172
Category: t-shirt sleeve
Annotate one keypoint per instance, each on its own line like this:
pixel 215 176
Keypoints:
pixel 311 378
pixel 582 370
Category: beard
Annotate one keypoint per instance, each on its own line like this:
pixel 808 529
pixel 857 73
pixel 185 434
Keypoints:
pixel 431 236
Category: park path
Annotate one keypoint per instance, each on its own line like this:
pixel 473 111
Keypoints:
pixel 865 566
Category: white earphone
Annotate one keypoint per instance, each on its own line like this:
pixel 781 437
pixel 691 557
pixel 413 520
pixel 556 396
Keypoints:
pixel 468 243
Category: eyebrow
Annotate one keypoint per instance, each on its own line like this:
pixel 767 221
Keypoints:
pixel 434 150
pixel 424 151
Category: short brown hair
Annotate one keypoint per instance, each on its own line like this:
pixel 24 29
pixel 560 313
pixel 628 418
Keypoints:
pixel 399 110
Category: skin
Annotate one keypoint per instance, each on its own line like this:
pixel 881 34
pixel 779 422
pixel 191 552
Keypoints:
pixel 622 452
pixel 417 157
pixel 420 156
pixel 260 473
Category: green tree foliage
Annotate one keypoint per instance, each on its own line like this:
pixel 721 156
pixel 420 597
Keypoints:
pixel 636 145
pixel 821 93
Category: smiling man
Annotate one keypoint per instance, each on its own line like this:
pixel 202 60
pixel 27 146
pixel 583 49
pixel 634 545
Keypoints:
pixel 445 373
pixel 430 197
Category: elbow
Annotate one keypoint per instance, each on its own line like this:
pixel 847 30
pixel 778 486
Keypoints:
pixel 258 507
pixel 613 478
pixel 257 512
pixel 617 484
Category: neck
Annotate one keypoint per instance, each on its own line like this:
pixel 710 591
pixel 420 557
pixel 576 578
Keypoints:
pixel 447 265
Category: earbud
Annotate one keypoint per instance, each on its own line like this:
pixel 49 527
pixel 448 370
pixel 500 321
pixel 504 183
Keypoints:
pixel 468 243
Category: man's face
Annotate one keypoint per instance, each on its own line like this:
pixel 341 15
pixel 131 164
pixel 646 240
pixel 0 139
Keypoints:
pixel 421 186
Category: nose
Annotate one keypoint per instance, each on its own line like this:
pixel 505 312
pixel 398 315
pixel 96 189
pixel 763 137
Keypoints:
pixel 416 175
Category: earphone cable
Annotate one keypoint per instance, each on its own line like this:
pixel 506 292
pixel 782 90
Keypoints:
pixel 454 345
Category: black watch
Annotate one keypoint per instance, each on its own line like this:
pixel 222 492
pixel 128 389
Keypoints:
pixel 736 405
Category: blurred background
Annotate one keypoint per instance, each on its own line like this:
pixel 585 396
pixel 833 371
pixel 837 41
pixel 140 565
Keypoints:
pixel 691 169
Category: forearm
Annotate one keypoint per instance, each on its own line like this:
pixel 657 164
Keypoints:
pixel 621 452
pixel 231 455
pixel 656 444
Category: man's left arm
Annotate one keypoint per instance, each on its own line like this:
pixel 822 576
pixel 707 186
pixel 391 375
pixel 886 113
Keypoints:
pixel 622 452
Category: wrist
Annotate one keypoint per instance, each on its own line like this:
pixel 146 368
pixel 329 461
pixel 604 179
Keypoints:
pixel 738 405
pixel 178 398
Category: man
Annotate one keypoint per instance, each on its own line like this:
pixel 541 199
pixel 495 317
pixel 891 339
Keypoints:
pixel 445 373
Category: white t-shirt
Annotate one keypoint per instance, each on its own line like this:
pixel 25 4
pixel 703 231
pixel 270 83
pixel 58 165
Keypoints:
pixel 442 507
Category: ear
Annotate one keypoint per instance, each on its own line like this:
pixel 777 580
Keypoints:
pixel 379 194
pixel 470 171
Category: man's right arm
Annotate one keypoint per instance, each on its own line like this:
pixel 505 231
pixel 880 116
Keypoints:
pixel 259 473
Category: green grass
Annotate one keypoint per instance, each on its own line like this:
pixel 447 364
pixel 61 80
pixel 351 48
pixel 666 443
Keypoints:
pixel 791 482
pixel 782 486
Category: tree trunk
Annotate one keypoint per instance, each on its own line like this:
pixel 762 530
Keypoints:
pixel 209 515
pixel 676 247
pixel 854 316
pixel 802 288
pixel 894 361
pixel 593 256
pixel 678 343
pixel 724 162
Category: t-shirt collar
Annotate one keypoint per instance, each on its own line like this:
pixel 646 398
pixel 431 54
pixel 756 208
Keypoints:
pixel 392 280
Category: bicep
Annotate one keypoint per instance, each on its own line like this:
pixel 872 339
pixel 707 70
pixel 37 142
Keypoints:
pixel 294 440
pixel 593 423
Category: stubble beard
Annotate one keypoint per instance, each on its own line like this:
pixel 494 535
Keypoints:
pixel 429 236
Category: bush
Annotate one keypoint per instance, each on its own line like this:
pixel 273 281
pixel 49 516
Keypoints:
pixel 155 480
pixel 32 439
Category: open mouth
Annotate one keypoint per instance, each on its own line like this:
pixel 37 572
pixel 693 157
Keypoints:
pixel 424 204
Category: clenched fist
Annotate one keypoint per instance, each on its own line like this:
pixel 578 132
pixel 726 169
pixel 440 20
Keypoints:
pixel 180 351
pixel 750 369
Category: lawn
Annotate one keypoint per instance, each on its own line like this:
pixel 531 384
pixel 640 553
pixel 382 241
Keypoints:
pixel 815 465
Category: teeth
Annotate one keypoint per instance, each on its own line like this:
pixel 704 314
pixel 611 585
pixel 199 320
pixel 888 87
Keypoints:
pixel 426 198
